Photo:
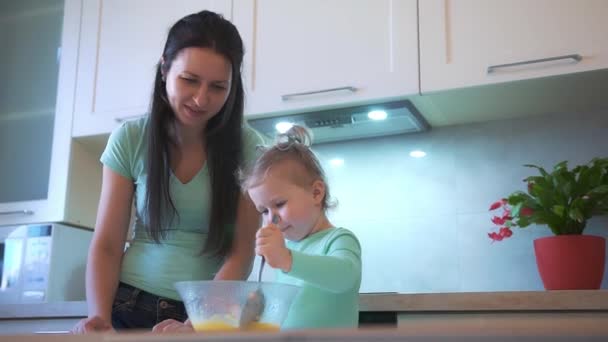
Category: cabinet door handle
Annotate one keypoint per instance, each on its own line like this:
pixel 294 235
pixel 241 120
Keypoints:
pixel 125 118
pixel 576 57
pixel 17 212
pixel 288 97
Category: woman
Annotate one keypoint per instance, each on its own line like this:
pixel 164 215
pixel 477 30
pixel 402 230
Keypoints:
pixel 179 165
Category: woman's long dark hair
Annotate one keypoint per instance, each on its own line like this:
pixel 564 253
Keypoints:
pixel 223 133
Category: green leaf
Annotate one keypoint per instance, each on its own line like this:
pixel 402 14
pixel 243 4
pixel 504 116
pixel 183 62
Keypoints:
pixel 595 177
pixel 576 214
pixel 518 197
pixel 516 209
pixel 600 190
pixel 540 169
pixel 584 207
pixel 524 221
pixel 558 210
pixel 568 189
pixel 561 165
pixel 534 179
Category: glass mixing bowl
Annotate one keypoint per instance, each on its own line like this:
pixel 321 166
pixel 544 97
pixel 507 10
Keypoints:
pixel 217 305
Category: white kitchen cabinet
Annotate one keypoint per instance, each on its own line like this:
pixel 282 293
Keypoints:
pixel 472 42
pixel 120 45
pixel 310 53
pixel 42 170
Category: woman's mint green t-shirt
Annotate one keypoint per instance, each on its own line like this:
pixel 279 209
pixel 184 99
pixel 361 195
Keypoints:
pixel 156 267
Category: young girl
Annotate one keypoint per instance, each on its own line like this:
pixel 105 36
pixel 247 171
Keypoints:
pixel 288 184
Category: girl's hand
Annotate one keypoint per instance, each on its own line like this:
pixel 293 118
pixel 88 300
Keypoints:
pixel 91 324
pixel 270 244
pixel 173 326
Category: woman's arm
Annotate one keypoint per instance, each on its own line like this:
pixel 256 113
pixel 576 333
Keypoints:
pixel 238 263
pixel 240 260
pixel 107 248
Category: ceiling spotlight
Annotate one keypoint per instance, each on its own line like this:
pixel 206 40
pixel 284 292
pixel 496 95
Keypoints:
pixel 336 162
pixel 417 154
pixel 283 126
pixel 377 115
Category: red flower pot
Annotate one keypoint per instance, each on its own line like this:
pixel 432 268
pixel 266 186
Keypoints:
pixel 571 262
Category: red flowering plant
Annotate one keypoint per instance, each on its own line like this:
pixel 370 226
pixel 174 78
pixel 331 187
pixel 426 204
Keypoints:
pixel 562 199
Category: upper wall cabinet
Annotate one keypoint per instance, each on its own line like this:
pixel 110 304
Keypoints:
pixel 120 45
pixel 45 176
pixel 309 53
pixel 475 42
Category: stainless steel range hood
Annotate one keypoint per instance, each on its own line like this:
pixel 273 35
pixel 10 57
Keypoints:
pixel 348 123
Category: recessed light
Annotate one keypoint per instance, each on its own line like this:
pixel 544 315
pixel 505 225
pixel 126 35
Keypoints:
pixel 336 162
pixel 283 126
pixel 377 115
pixel 417 154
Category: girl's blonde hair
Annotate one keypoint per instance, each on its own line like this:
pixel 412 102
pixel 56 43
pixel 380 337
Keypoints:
pixel 293 146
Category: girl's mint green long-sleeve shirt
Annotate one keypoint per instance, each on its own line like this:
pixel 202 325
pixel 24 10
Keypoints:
pixel 327 265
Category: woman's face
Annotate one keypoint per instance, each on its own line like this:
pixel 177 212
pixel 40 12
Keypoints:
pixel 198 84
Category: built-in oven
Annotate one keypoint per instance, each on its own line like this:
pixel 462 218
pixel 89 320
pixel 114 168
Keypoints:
pixel 43 263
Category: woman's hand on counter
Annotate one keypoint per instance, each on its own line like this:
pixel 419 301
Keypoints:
pixel 92 324
pixel 171 326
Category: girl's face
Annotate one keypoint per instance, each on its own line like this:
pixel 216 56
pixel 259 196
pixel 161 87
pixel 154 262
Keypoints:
pixel 299 208
pixel 198 84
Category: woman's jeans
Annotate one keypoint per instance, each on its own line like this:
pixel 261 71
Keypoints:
pixel 137 309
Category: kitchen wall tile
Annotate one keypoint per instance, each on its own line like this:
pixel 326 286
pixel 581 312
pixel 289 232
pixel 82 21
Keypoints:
pixel 508 265
pixel 410 255
pixel 423 222
pixel 380 179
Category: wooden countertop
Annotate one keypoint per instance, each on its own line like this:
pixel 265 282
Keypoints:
pixel 579 300
pixel 571 300
pixel 422 332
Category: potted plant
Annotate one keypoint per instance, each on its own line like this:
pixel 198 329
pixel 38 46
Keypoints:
pixel 563 199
